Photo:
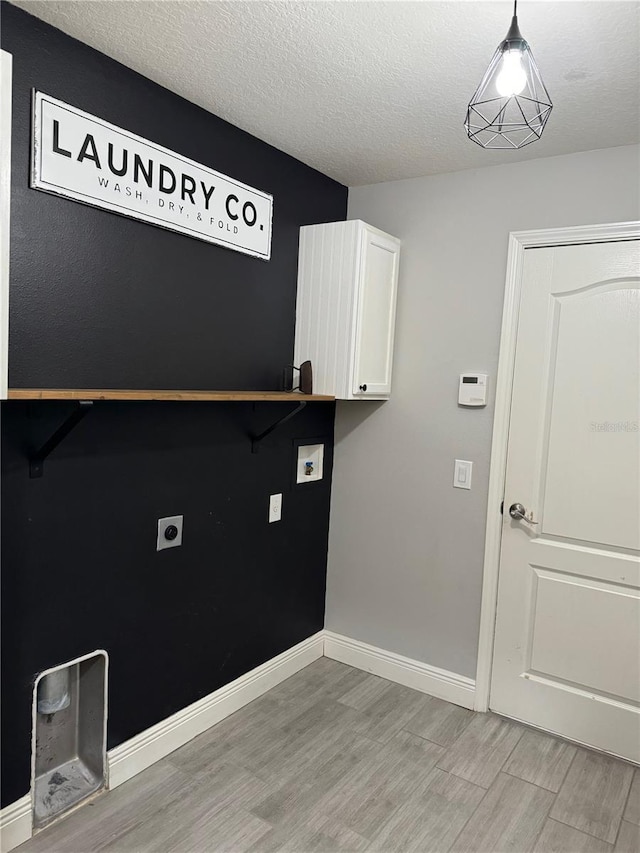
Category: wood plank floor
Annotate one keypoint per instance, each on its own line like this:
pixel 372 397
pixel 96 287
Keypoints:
pixel 335 759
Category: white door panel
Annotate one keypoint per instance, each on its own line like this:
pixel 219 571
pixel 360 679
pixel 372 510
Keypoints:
pixel 376 315
pixel 571 615
pixel 593 456
pixel 567 642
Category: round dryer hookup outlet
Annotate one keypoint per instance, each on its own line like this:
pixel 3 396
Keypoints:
pixel 169 532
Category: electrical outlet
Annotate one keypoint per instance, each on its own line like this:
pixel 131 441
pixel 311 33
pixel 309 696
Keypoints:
pixel 275 508
pixel 169 532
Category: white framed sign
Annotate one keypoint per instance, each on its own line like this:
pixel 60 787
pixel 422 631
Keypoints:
pixel 6 60
pixel 84 158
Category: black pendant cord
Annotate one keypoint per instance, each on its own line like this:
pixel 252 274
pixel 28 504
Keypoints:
pixel 514 33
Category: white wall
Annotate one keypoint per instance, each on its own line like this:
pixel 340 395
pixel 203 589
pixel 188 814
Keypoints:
pixel 406 548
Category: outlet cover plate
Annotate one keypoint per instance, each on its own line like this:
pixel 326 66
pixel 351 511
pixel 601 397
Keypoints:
pixel 462 472
pixel 275 507
pixel 162 542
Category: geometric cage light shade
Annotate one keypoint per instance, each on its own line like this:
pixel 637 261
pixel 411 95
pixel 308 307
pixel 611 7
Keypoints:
pixel 511 106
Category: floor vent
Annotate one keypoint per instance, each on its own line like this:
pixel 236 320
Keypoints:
pixel 69 736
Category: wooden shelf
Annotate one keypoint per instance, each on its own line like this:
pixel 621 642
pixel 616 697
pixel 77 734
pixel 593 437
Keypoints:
pixel 122 394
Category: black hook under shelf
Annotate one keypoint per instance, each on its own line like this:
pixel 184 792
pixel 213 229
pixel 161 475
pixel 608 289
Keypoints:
pixel 256 439
pixel 36 459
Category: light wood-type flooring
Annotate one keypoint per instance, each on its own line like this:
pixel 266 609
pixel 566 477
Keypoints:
pixel 335 759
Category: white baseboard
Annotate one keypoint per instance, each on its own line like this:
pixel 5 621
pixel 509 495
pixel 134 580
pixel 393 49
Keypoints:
pixel 150 746
pixel 411 673
pixel 145 749
pixel 15 823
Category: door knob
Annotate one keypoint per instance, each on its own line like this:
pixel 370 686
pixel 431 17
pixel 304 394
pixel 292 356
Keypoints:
pixel 518 512
pixel 363 387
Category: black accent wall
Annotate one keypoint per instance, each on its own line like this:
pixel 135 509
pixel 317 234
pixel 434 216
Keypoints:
pixel 99 300
pixel 103 301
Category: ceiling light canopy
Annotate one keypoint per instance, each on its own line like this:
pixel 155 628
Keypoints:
pixel 511 106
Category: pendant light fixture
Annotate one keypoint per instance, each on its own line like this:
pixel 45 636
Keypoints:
pixel 511 105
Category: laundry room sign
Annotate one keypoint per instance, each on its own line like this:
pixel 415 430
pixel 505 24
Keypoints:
pixel 82 157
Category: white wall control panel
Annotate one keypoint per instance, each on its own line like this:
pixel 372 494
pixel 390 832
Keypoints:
pixel 462 474
pixel 309 463
pixel 275 507
pixel 472 390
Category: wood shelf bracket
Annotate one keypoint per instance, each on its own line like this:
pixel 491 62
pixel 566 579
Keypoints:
pixel 257 439
pixel 36 459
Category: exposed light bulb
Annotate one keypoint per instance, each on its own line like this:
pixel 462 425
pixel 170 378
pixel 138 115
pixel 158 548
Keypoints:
pixel 511 80
pixel 511 106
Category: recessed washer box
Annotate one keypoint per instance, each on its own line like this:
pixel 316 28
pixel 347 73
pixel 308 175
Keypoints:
pixel 69 738
pixel 309 463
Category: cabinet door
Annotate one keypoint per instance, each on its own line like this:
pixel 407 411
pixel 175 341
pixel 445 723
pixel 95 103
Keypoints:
pixel 375 315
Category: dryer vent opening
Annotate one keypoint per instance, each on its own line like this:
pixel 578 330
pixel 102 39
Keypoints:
pixel 69 743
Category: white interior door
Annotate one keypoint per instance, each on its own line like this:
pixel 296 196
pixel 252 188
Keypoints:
pixel 375 315
pixel 567 641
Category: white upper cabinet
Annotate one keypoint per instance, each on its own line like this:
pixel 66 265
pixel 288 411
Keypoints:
pixel 346 306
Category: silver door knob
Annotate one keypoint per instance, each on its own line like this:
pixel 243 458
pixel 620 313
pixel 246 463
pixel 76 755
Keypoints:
pixel 518 512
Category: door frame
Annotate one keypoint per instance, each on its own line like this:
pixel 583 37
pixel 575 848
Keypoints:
pixel 519 241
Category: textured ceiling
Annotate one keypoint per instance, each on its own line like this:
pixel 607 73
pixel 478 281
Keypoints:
pixel 373 91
